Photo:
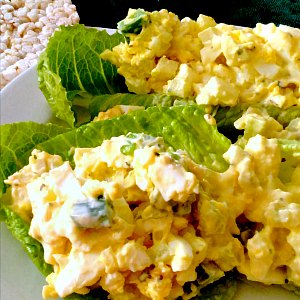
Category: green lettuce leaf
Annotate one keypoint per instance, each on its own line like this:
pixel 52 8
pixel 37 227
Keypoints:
pixel 19 229
pixel 289 148
pixel 17 140
pixel 182 127
pixel 104 102
pixel 71 69
pixel 226 116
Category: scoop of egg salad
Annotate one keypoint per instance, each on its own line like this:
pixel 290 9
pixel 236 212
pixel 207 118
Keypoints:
pixel 217 64
pixel 138 219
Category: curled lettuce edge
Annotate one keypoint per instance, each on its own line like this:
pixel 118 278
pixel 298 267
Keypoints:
pixel 71 68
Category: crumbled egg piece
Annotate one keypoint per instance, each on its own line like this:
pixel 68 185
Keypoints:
pixel 145 218
pixel 116 111
pixel 39 163
pixel 218 64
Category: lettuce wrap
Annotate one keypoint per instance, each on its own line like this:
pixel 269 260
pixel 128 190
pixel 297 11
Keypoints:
pixel 182 127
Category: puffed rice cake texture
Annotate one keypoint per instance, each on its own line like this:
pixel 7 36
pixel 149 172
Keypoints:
pixel 26 26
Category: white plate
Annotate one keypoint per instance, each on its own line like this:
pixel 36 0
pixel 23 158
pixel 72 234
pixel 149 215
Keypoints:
pixel 21 100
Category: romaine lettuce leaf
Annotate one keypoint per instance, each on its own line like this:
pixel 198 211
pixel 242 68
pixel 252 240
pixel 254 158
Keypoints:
pixel 104 102
pixel 283 116
pixel 19 229
pixel 289 148
pixel 71 67
pixel 226 116
pixel 17 140
pixel 182 127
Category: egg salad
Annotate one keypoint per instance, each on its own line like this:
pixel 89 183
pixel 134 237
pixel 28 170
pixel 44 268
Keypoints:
pixel 217 64
pixel 140 220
